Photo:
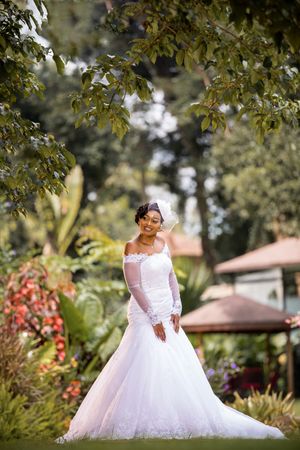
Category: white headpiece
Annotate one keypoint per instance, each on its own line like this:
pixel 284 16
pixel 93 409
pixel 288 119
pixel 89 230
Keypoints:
pixel 169 216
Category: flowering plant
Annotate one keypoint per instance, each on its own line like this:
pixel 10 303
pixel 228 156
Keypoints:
pixel 221 375
pixel 30 305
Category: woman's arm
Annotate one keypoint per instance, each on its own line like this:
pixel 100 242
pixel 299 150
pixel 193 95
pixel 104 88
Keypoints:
pixel 177 304
pixel 132 275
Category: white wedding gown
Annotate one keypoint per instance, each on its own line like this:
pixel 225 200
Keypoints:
pixel 155 389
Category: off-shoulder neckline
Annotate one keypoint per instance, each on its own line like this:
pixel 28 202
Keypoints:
pixel 147 254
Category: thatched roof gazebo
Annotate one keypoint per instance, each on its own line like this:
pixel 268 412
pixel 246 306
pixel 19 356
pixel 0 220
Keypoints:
pixel 283 253
pixel 238 314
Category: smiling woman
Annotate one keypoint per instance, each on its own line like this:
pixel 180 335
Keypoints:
pixel 154 386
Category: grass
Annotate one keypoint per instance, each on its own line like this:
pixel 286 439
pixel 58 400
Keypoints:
pixel 293 443
pixel 158 444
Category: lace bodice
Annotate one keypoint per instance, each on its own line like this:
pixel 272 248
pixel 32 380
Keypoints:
pixel 139 257
pixel 144 273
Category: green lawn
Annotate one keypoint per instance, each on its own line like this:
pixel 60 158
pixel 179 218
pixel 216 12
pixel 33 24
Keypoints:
pixel 156 444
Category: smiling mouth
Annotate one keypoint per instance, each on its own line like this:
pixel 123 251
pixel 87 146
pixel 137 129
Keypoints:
pixel 147 229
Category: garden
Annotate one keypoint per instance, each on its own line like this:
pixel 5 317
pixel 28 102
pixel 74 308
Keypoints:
pixel 136 100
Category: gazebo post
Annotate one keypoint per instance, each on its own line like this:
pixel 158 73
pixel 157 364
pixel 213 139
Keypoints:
pixel 290 363
pixel 199 338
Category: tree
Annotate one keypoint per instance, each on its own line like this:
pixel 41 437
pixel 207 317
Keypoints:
pixel 251 51
pixel 260 183
pixel 31 161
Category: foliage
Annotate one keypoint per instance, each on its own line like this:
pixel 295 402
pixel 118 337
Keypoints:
pixel 256 73
pixel 260 181
pixel 270 408
pixel 96 246
pixel 30 305
pixel 31 401
pixel 194 278
pixel 90 334
pixel 56 217
pixel 76 327
pixel 10 261
pixel 220 376
pixel 30 160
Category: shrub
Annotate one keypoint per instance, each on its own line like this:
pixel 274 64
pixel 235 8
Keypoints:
pixel 31 305
pixel 220 376
pixel 270 408
pixel 31 401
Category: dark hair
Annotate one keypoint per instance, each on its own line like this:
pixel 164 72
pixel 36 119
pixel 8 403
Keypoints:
pixel 143 209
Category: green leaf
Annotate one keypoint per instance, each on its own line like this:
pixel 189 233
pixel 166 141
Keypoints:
pixel 73 318
pixel 76 105
pixel 45 353
pixel 79 121
pixel 60 66
pixel 110 345
pixel 188 62
pixel 205 123
pixel 179 57
pixel 86 80
pixel 153 57
pixel 102 119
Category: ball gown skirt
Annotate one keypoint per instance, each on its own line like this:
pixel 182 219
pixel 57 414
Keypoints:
pixel 155 389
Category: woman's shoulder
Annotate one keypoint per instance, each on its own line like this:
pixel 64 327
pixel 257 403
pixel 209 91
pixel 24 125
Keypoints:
pixel 131 247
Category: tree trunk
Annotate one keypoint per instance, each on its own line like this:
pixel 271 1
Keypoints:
pixel 208 253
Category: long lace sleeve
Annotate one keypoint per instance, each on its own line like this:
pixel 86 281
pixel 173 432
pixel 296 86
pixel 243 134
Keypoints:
pixel 132 275
pixel 177 304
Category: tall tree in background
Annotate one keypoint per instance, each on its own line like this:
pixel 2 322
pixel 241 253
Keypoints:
pixel 261 182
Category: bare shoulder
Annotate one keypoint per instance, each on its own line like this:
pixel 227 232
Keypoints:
pixel 161 239
pixel 131 247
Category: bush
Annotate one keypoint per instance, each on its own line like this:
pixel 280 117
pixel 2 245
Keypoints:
pixel 31 401
pixel 220 376
pixel 269 408
pixel 31 305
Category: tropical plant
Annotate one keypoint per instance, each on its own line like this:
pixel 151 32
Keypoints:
pixel 269 407
pixel 56 219
pixel 89 333
pixel 194 279
pixel 31 400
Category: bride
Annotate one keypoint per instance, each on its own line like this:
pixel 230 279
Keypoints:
pixel 153 386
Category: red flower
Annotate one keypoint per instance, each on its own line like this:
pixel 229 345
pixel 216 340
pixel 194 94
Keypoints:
pixel 29 305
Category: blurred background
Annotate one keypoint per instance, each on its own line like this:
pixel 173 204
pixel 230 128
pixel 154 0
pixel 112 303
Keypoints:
pixel 63 297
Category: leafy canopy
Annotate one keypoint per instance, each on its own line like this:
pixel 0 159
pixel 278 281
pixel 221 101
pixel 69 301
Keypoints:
pixel 249 49
pixel 31 161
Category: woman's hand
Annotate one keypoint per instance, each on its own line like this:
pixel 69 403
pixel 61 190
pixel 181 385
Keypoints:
pixel 175 321
pixel 159 331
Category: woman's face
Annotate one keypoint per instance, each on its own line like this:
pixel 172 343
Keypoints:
pixel 150 223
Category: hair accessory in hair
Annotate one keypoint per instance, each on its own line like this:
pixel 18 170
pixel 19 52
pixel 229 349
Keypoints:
pixel 169 216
